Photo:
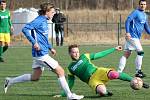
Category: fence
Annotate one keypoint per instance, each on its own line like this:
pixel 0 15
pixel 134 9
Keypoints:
pixel 84 33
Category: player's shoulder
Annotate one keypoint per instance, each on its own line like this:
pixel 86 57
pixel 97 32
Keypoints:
pixel 7 10
pixel 87 55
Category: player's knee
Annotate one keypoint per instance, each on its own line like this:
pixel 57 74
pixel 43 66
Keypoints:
pixel 113 75
pixel 140 53
pixel 59 71
pixel 35 79
pixel 127 54
pixel 101 90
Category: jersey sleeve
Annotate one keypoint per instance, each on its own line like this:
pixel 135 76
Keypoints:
pixel 27 32
pixel 101 54
pixel 146 27
pixel 129 19
pixel 10 22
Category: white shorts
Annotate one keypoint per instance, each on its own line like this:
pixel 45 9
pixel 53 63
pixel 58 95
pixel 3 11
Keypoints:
pixel 44 61
pixel 133 44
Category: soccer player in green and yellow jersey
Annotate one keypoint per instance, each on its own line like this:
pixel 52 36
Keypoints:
pixel 5 28
pixel 95 77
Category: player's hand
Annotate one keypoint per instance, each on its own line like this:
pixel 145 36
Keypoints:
pixel 12 28
pixel 119 48
pixel 11 31
pixel 53 51
pixel 36 46
pixel 127 36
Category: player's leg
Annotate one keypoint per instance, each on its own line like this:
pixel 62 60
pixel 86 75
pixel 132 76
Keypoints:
pixel 124 77
pixel 4 42
pixel 5 48
pixel 61 78
pixel 1 51
pixel 53 65
pixel 1 46
pixel 22 78
pixel 98 80
pixel 37 71
pixel 116 75
pixel 138 60
pixel 128 47
pixel 57 34
pixel 102 91
pixel 10 81
pixel 123 60
pixel 63 83
pixel 138 63
pixel 62 36
pixel 7 42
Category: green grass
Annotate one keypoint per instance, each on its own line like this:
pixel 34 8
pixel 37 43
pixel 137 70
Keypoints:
pixel 19 61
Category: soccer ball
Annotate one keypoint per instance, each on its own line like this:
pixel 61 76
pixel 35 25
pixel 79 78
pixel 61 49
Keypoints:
pixel 136 83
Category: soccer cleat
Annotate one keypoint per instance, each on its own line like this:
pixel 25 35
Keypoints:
pixel 145 85
pixel 140 74
pixel 108 94
pixel 73 96
pixel 1 59
pixel 7 84
pixel 57 96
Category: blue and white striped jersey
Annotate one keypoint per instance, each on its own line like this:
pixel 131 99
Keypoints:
pixel 136 22
pixel 37 31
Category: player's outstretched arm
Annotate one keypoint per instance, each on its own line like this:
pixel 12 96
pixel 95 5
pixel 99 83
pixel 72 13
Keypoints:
pixel 103 53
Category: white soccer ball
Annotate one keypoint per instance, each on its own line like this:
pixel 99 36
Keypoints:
pixel 136 83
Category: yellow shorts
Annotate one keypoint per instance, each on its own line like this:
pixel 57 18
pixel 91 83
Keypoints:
pixel 5 37
pixel 99 77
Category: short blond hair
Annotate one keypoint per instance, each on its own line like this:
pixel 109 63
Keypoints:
pixel 72 46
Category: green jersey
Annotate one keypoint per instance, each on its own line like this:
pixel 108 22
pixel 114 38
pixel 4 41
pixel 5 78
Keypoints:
pixel 5 21
pixel 83 68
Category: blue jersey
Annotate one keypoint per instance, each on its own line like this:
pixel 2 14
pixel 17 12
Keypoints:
pixel 136 23
pixel 37 32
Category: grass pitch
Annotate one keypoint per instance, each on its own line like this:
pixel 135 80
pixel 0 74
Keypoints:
pixel 19 61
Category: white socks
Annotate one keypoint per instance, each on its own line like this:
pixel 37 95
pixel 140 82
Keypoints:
pixel 122 64
pixel 138 62
pixel 22 78
pixel 64 85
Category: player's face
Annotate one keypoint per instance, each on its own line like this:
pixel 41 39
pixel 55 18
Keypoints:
pixel 75 54
pixel 3 6
pixel 142 5
pixel 57 11
pixel 50 13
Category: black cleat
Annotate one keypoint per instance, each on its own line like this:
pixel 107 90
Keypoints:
pixel 7 84
pixel 145 85
pixel 1 59
pixel 108 94
pixel 140 74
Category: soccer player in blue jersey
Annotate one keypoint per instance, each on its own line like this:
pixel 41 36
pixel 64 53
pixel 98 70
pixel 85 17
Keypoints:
pixel 135 24
pixel 37 33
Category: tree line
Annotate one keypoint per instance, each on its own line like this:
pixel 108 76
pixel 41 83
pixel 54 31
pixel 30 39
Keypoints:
pixel 79 4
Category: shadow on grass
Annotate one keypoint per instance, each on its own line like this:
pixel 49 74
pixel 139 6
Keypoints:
pixel 92 97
